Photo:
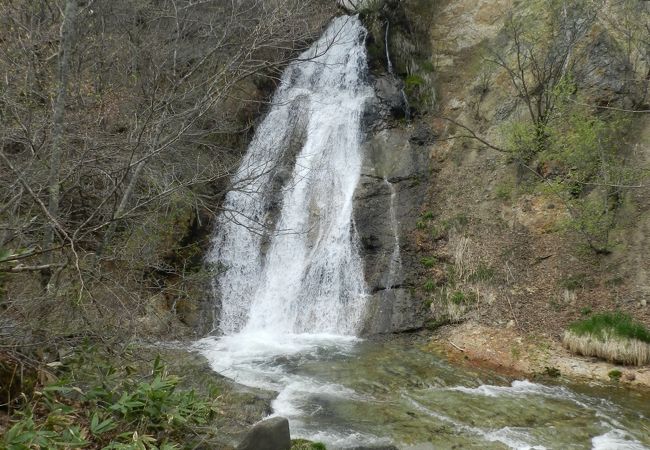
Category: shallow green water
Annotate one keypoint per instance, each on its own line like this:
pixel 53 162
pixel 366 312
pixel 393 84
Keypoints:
pixel 346 392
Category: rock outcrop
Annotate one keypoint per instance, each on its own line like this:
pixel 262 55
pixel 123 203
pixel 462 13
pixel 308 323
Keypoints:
pixel 270 434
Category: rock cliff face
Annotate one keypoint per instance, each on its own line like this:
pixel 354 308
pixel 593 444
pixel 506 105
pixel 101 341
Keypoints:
pixel 388 201
pixel 478 240
pixel 394 181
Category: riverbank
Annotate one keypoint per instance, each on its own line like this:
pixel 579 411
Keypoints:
pixel 507 351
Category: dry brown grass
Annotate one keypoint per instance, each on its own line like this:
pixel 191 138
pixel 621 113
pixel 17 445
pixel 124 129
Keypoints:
pixel 611 348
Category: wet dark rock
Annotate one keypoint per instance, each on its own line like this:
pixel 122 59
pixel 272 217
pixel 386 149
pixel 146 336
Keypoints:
pixel 388 89
pixel 393 311
pixel 270 434
pixel 423 135
pixel 392 165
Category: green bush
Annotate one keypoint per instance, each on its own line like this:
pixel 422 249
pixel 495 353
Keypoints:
pixel 615 375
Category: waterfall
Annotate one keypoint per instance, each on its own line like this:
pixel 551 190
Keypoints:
pixel 298 269
pixel 389 62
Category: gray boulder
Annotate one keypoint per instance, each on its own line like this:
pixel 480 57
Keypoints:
pixel 269 434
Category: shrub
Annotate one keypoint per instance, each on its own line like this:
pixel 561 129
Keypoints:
pixel 615 337
pixel 615 375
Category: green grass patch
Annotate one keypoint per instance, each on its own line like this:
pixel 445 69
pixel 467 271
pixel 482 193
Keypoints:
pixel 482 273
pixel 619 324
pixel 460 297
pixel 429 261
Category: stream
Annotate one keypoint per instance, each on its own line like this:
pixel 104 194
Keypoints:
pixel 347 392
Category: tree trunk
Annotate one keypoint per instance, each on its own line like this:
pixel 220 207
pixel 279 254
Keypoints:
pixel 54 184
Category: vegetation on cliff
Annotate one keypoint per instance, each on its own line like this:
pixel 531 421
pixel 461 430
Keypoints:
pixel 542 144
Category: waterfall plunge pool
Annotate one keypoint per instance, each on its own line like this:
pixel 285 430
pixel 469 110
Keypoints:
pixel 346 392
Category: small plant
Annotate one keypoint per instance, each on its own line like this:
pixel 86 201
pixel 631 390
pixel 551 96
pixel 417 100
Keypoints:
pixel 460 297
pixel 427 215
pixel 482 273
pixel 615 375
pixel 575 282
pixel 585 311
pixel 429 286
pixel 421 225
pixel 413 81
pixel 615 281
pixel 504 191
pixel 429 261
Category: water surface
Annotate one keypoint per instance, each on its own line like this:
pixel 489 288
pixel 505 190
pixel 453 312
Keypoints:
pixel 344 391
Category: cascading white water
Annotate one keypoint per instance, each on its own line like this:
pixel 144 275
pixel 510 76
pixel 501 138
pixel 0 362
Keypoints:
pixel 309 278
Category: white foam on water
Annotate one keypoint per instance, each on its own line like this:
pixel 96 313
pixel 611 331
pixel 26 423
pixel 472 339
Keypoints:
pixel 616 440
pixel 517 388
pixel 259 359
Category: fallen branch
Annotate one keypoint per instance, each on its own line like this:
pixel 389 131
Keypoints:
pixel 23 268
pixel 457 347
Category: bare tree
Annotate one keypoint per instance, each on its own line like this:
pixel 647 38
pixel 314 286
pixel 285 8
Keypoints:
pixel 118 135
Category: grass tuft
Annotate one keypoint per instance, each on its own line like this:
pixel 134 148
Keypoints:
pixel 615 337
pixel 617 324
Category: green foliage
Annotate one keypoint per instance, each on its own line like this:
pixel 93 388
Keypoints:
pixel 521 140
pixel 413 81
pixel 579 159
pixel 460 297
pixel 606 324
pixel 118 412
pixel 429 286
pixel 504 190
pixel 614 375
pixel 429 261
